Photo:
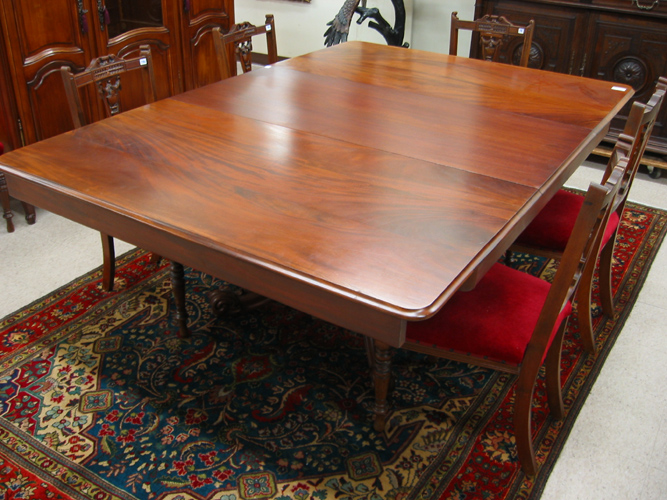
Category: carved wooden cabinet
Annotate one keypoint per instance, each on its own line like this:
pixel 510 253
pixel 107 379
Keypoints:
pixel 8 130
pixel 622 41
pixel 38 37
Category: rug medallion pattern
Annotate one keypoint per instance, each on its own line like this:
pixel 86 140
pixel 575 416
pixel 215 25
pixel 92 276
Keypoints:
pixel 99 399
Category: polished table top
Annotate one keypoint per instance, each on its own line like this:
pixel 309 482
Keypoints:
pixel 362 183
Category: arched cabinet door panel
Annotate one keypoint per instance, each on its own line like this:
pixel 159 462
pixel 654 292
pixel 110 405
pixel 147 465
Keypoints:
pixel 38 41
pixel 198 21
pixel 127 24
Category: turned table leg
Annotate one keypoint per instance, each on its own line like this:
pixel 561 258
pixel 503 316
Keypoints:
pixel 381 378
pixel 178 289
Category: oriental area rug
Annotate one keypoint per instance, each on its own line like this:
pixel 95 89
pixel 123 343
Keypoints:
pixel 100 400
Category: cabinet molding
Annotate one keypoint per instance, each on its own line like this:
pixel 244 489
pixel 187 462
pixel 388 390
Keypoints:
pixel 621 41
pixel 37 39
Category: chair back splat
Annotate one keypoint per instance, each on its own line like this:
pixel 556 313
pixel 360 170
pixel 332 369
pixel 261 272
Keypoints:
pixel 238 41
pixel 493 32
pixel 105 73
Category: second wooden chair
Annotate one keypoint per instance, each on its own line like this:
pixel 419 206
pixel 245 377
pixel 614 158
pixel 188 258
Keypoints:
pixel 513 322
pixel 238 40
pixel 549 232
pixel 104 73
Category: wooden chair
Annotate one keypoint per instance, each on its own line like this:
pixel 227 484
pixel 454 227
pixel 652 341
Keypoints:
pixel 240 36
pixel 513 322
pixel 104 73
pixel 493 32
pixel 6 203
pixel 549 232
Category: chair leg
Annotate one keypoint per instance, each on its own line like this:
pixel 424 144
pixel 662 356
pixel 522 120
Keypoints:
pixel 522 425
pixel 30 216
pixel 508 257
pixel 523 401
pixel 523 405
pixel 6 204
pixel 604 274
pixel 109 266
pixel 584 307
pixel 178 290
pixel 369 345
pixel 552 366
pixel 381 379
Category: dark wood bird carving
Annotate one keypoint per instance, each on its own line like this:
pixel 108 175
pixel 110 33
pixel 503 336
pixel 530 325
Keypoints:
pixel 339 26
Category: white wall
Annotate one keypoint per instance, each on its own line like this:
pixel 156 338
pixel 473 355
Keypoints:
pixel 431 21
pixel 300 26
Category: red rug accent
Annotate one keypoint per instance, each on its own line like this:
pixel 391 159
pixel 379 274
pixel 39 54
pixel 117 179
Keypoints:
pixel 100 400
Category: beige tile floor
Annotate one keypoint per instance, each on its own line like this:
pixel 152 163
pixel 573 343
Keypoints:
pixel 618 447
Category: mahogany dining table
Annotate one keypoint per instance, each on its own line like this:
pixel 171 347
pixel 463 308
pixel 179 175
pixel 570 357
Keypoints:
pixel 363 184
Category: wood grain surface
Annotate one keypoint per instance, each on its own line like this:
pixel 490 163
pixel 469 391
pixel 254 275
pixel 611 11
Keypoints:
pixel 362 183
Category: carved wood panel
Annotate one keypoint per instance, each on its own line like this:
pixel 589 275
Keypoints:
pixel 39 41
pixel 556 33
pixel 162 37
pixel 9 132
pixel 632 52
pixel 614 40
pixel 199 19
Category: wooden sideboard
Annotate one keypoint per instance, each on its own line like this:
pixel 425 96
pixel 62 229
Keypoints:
pixel 37 38
pixel 622 41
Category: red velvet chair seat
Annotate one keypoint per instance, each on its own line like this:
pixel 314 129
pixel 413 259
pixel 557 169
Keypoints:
pixel 552 227
pixel 495 320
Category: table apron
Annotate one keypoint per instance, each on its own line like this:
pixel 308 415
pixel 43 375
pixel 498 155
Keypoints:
pixel 319 299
